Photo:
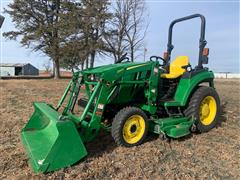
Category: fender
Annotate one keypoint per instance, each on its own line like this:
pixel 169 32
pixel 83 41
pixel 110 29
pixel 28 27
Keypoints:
pixel 187 86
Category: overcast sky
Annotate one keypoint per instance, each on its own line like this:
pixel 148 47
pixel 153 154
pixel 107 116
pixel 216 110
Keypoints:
pixel 222 34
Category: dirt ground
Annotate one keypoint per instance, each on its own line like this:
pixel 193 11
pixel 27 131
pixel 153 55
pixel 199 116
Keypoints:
pixel 213 155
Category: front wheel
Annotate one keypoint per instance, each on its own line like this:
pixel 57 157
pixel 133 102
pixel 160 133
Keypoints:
pixel 204 108
pixel 129 127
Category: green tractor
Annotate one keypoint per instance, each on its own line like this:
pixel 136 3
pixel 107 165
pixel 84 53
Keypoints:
pixel 127 99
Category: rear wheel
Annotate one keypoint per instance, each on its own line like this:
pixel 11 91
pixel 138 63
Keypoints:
pixel 204 108
pixel 129 127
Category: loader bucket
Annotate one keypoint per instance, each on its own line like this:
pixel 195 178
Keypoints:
pixel 51 143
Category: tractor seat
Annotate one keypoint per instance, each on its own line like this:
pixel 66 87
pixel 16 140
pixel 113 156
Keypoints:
pixel 176 69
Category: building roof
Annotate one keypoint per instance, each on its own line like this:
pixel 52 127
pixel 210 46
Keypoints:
pixel 12 64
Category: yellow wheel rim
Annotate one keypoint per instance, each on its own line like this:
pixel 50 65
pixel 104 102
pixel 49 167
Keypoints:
pixel 133 129
pixel 208 110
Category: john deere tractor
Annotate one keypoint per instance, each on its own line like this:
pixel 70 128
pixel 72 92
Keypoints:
pixel 127 99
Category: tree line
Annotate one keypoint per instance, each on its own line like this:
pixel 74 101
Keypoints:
pixel 73 32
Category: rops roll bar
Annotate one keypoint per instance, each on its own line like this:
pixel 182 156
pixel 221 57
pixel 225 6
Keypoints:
pixel 202 41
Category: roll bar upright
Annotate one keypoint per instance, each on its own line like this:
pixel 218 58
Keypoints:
pixel 202 41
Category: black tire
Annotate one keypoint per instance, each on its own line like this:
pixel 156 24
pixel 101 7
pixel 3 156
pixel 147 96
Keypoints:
pixel 118 124
pixel 194 106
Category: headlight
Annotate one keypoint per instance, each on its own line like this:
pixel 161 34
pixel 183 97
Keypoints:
pixel 93 77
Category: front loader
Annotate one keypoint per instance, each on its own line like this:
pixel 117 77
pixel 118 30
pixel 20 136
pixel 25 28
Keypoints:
pixel 128 99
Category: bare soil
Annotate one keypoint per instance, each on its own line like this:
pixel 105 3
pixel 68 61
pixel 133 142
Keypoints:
pixel 212 155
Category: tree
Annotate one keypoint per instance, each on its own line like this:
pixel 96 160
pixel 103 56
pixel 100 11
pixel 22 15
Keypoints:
pixel 74 53
pixel 126 30
pixel 95 14
pixel 115 34
pixel 47 66
pixel 136 26
pixel 73 32
pixel 87 24
pixel 41 25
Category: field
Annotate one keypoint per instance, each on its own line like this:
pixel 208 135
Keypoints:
pixel 213 155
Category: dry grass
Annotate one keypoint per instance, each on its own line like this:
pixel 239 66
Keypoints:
pixel 213 155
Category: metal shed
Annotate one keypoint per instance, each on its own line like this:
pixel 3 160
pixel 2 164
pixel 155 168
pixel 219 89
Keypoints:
pixel 17 69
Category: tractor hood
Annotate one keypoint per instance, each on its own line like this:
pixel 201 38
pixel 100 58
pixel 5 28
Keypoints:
pixel 114 71
pixel 114 67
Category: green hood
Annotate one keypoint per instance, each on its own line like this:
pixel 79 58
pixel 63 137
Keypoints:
pixel 111 67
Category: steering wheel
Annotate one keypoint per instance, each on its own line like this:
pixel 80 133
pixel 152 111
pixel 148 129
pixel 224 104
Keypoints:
pixel 125 59
pixel 156 58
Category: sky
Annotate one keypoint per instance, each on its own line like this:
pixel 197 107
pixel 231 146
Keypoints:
pixel 222 34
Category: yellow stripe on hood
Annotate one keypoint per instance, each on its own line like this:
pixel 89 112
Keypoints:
pixel 135 66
